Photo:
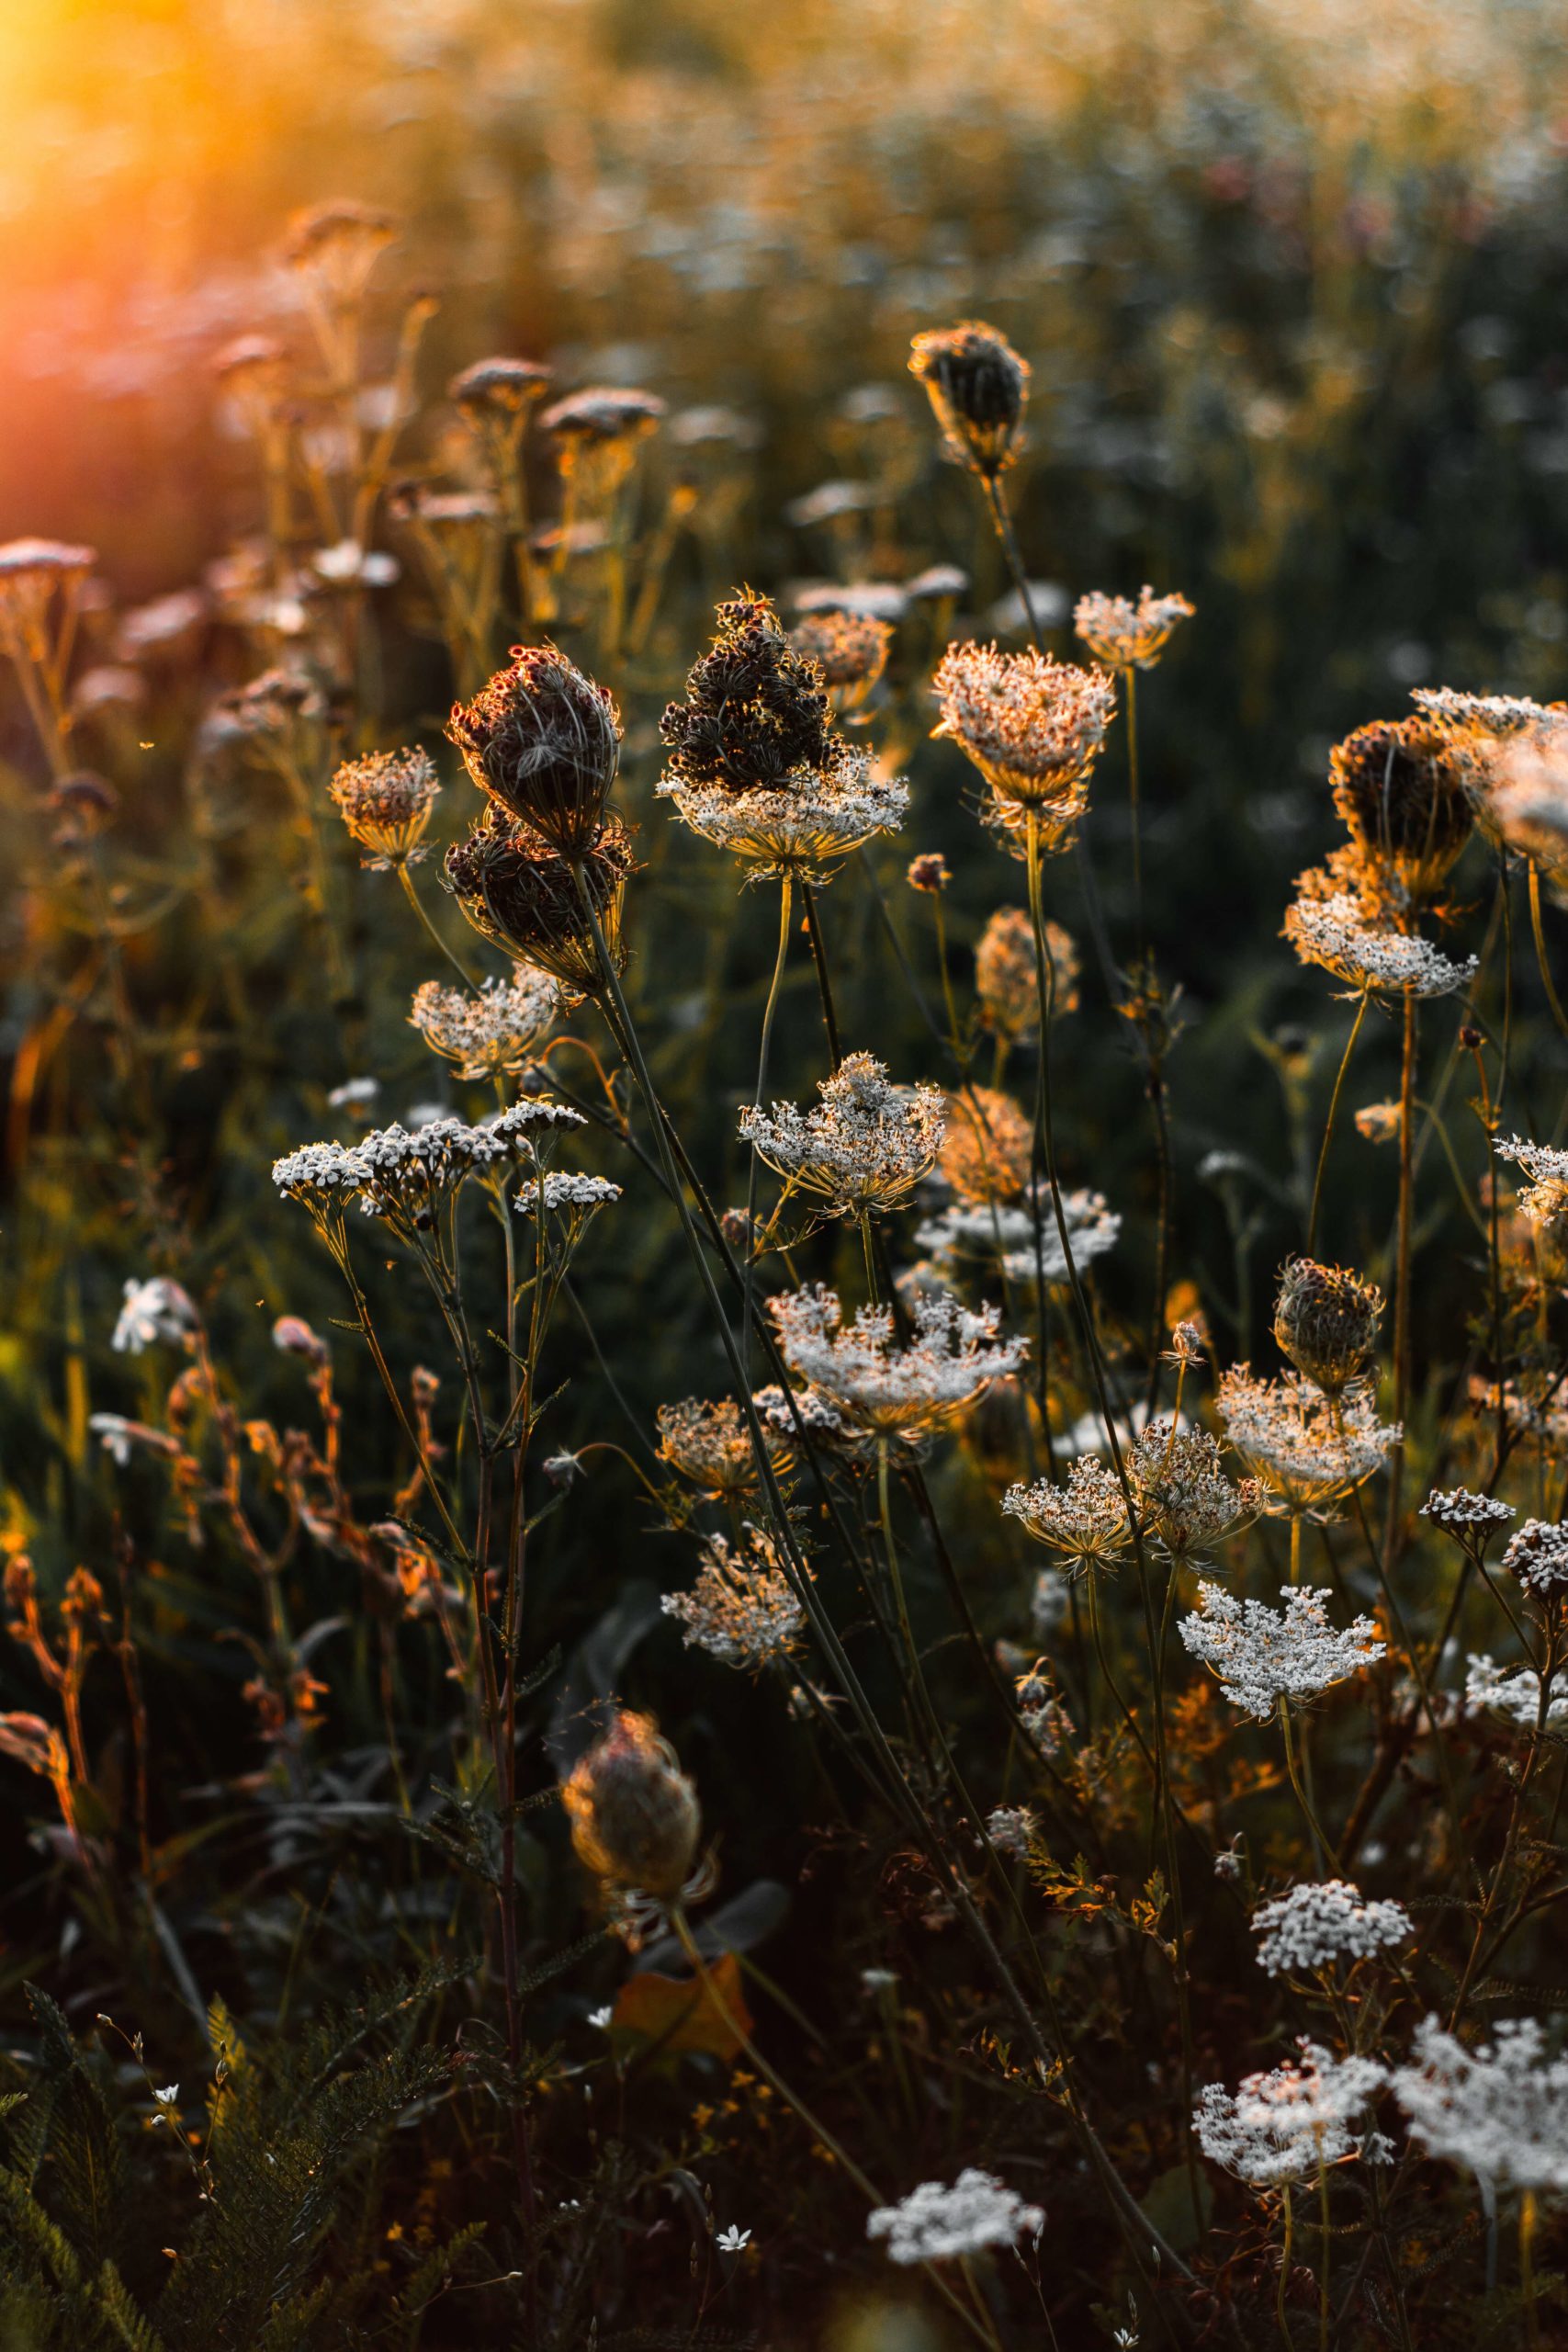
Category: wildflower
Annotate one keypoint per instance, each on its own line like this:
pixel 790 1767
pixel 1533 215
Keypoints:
pixel 1545 1199
pixel 525 897
pixel 507 388
pixel 709 1444
pixel 598 430
pixel 1184 1498
pixel 1326 1320
pixel 850 650
pixel 337 245
pixel 733 2240
pixel 756 711
pixel 404 1177
pixel 602 2018
pixel 1400 787
pixel 1287 2125
pixel 1004 1234
pixel 978 388
pixel 1009 1828
pixel 1321 1922
pixel 354 1094
pixel 1309 1450
pixel 988 1147
pixel 1039 1708
pixel 1494 714
pixel 493 1030
pixel 1516 1695
pixel 1538 1555
pixel 31 573
pixel 935 2224
pixel 1499 2110
pixel 742 1609
pixel 545 742
pixel 168 2095
pixel 635 1817
pixel 1526 799
pixel 1264 1655
pixel 929 873
pixel 1048 1603
pixel 1006 976
pixel 803 826
pixel 893 1393
pixel 1031 726
pixel 877 1980
pixel 1466 1517
pixel 863 1147
pixel 1126 636
pixel 1086 1520
pixel 1378 1122
pixel 294 1337
pixel 1333 932
pixel 154 1309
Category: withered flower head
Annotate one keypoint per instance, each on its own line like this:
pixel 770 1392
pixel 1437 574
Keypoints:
pixel 756 710
pixel 1032 727
pixel 339 245
pixel 1400 786
pixel 385 801
pixel 521 894
pixel 510 386
pixel 929 873
pixel 1005 975
pixel 978 388
pixel 850 650
pixel 30 572
pixel 987 1150
pixel 709 1444
pixel 546 742
pixel 635 1816
pixel 1326 1321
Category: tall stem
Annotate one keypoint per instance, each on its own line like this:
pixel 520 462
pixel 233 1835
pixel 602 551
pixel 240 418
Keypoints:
pixel 417 903
pixel 1129 678
pixel 1551 997
pixel 825 986
pixel 1402 1266
pixel 786 900
pixel 1333 1114
pixel 996 499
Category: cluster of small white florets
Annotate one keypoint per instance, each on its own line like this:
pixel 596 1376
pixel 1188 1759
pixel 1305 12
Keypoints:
pixel 1538 1555
pixel 1516 1695
pixel 1306 1448
pixel 885 1390
pixel 936 2223
pixel 1492 714
pixel 1287 2124
pixel 1262 1656
pixel 1462 1515
pixel 492 1030
pixel 396 1174
pixel 1545 1198
pixel 742 1609
pixel 801 827
pixel 1009 1828
pixel 1502 2112
pixel 1324 1921
pixel 1333 932
pixel 866 1144
pixel 1127 636
pixel 1004 1233
pixel 1085 1519
pixel 1185 1500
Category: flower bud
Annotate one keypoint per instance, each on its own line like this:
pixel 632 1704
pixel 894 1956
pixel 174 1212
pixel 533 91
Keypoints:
pixel 1326 1320
pixel 546 742
pixel 635 1816
pixel 979 387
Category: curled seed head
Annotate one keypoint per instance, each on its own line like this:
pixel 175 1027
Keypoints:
pixel 1326 1320
pixel 978 388
pixel 1400 788
pixel 635 1816
pixel 523 895
pixel 545 742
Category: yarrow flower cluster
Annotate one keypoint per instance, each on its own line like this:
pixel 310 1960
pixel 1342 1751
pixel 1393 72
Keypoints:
pixel 1321 1922
pixel 1538 1555
pixel 742 1609
pixel 1334 932
pixel 864 1147
pixel 492 1031
pixel 1310 1451
pixel 1084 1520
pixel 1264 1655
pixel 401 1177
pixel 1501 2111
pixel 888 1392
pixel 1288 2124
pixel 1127 636
pixel 1464 1515
pixel 1545 1199
pixel 936 2223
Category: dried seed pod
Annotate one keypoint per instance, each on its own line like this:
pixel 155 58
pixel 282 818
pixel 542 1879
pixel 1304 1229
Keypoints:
pixel 1326 1320
pixel 1400 787
pixel 635 1816
pixel 523 895
pixel 545 742
pixel 756 710
pixel 978 388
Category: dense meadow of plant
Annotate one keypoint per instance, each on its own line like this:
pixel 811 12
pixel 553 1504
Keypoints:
pixel 784 1388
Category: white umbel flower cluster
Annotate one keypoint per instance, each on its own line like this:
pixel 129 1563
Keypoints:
pixel 1002 1233
pixel 1516 1695
pixel 1502 2112
pixel 1185 1500
pixel 742 1609
pixel 1084 1520
pixel 935 2224
pixel 400 1176
pixel 1538 1555
pixel 1545 1198
pixel 1464 1515
pixel 865 1146
pixel 489 1031
pixel 1310 1451
pixel 1321 1922
pixel 1262 1656
pixel 879 1388
pixel 802 827
pixel 1334 934
pixel 1286 2125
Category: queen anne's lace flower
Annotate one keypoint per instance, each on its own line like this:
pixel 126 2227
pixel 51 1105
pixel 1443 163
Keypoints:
pixel 801 827
pixel 878 1387
pixel 997 1233
pixel 492 1031
pixel 1324 1921
pixel 1309 1450
pixel 1184 1498
pixel 742 1609
pixel 1262 1656
pixel 1086 1520
pixel 935 2224
pixel 1334 932
pixel 1516 1695
pixel 864 1147
pixel 1126 636
pixel 1538 1555
pixel 1032 727
pixel 709 1443
pixel 1288 2124
pixel 1545 1199
pixel 1502 2112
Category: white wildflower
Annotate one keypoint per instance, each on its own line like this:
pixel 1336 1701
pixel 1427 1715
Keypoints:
pixel 1286 2125
pixel 1516 1695
pixel 1334 932
pixel 742 1609
pixel 864 1147
pixel 1545 1199
pixel 935 2224
pixel 1009 1828
pixel 1086 1520
pixel 1262 1656
pixel 154 1309
pixel 491 1031
pixel 1321 1922
pixel 1465 1516
pixel 1002 1233
pixel 1501 2111
pixel 1538 1555
pixel 732 2240
pixel 353 1093
pixel 885 1390
pixel 802 826
pixel 1308 1450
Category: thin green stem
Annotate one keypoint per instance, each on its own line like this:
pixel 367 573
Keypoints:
pixel 1333 1113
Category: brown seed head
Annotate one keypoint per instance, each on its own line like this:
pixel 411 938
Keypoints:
pixel 545 742
pixel 521 894
pixel 1326 1320
pixel 1006 978
pixel 385 801
pixel 635 1816
pixel 930 872
pixel 978 388
pixel 756 711
pixel 850 649
pixel 1400 787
